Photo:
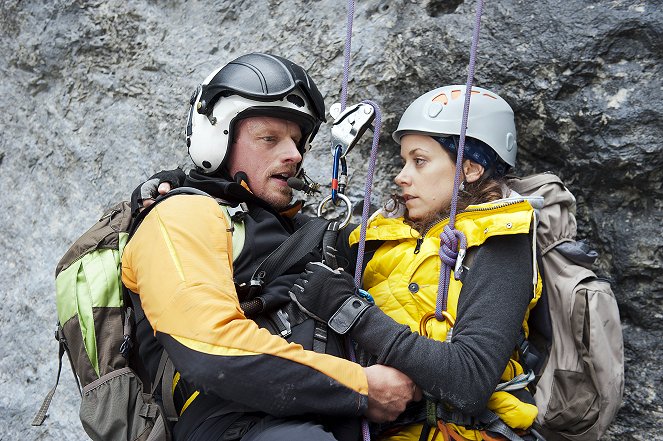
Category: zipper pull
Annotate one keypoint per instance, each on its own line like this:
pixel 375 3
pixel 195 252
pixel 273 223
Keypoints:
pixel 420 240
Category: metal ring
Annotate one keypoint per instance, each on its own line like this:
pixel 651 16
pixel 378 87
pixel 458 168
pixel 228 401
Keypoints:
pixel 345 199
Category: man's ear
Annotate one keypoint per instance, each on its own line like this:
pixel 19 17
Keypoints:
pixel 472 170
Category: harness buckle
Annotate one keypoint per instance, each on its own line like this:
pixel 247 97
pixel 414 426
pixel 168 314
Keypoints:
pixel 284 324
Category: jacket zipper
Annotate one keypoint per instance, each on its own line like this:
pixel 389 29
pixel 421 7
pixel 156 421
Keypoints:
pixel 420 239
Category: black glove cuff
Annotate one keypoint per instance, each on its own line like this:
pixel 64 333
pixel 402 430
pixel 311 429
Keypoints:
pixel 348 314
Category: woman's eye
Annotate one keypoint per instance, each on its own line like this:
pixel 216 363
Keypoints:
pixel 419 161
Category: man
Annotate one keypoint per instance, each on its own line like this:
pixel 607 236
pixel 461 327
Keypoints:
pixel 249 126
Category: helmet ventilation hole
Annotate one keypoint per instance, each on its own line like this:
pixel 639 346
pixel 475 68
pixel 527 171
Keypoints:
pixel 296 100
pixel 206 164
pixel 441 98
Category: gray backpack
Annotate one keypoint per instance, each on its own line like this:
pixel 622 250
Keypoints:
pixel 581 378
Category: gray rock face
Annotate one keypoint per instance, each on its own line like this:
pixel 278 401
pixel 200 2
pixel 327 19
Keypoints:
pixel 94 97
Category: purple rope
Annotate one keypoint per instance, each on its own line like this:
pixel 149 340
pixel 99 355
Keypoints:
pixel 346 54
pixel 364 223
pixel 365 431
pixel 450 235
pixel 367 190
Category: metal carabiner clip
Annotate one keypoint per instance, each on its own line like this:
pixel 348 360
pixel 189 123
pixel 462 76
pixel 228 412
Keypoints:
pixel 348 204
pixel 339 181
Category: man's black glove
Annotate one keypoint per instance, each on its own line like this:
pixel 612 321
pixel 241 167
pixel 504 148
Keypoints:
pixel 150 188
pixel 329 296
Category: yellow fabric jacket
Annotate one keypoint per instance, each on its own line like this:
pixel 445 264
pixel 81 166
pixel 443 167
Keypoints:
pixel 395 266
pixel 180 264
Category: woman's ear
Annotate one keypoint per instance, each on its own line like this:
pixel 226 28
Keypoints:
pixel 472 170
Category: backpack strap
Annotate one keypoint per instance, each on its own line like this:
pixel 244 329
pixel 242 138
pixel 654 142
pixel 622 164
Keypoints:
pixel 177 191
pixel 166 372
pixel 62 348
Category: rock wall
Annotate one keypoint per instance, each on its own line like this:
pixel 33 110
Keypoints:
pixel 94 97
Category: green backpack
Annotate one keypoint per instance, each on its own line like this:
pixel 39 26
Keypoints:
pixel 95 330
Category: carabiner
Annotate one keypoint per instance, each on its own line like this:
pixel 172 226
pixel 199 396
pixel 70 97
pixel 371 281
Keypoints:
pixel 339 182
pixel 348 204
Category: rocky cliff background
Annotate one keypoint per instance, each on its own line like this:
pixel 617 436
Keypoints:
pixel 93 99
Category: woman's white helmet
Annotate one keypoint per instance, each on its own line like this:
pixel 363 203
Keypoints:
pixel 252 85
pixel 440 112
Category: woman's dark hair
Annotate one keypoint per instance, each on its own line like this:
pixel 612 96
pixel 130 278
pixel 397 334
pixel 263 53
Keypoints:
pixel 486 189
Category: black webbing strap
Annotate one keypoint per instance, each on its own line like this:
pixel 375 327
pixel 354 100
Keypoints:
pixel 329 244
pixel 499 426
pixel 320 337
pixel 291 251
pixel 166 372
pixel 329 255
pixel 62 348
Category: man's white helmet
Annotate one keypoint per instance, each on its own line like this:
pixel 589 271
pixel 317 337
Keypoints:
pixel 440 113
pixel 251 85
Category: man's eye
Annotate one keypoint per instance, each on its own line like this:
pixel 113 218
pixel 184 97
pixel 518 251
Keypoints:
pixel 269 138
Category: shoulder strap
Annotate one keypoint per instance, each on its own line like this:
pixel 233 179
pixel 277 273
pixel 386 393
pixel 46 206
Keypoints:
pixel 177 191
pixel 291 251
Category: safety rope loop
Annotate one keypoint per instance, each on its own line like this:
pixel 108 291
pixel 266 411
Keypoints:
pixel 445 273
pixel 452 240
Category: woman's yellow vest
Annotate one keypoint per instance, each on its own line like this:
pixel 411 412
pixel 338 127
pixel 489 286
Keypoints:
pixel 395 266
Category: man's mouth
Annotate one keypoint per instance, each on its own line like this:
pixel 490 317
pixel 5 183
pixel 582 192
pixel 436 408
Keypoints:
pixel 283 176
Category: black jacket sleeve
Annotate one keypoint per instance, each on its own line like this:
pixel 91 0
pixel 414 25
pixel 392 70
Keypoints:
pixel 464 372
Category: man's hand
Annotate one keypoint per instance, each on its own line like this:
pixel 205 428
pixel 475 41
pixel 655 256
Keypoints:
pixel 163 188
pixel 158 184
pixel 389 391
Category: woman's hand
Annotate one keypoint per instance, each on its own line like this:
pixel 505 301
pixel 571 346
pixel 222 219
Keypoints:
pixel 320 290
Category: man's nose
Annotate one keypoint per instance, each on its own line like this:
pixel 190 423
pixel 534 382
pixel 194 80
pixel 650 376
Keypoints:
pixel 291 151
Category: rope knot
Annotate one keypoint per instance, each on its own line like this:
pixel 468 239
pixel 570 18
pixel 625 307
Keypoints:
pixel 452 240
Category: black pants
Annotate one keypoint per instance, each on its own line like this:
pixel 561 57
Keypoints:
pixel 266 428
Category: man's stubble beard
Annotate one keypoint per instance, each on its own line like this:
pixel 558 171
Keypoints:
pixel 280 199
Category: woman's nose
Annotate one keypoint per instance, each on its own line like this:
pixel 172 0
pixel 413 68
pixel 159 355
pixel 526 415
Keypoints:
pixel 401 178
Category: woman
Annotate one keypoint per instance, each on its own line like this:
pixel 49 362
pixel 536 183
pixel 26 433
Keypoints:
pixel 459 359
